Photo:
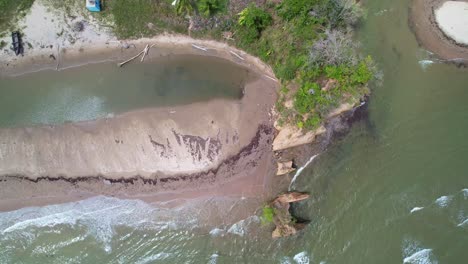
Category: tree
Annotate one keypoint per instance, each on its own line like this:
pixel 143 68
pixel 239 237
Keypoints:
pixel 333 48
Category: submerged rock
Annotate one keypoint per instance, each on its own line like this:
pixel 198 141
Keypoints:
pixel 285 167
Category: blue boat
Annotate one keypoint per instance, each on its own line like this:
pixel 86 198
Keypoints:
pixel 93 5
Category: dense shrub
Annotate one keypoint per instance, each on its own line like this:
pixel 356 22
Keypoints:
pixel 289 9
pixel 208 8
pixel 339 13
pixel 184 7
pixel 252 21
pixel 333 48
pixel 267 215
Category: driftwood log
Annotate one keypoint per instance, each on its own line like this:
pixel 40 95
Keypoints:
pixel 144 52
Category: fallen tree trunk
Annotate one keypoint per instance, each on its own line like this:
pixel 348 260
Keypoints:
pixel 144 52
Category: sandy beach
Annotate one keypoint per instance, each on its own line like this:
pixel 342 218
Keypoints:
pixel 429 34
pixel 153 154
pixel 158 149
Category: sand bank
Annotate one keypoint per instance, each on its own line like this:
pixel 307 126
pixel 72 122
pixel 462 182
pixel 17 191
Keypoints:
pixel 427 19
pixel 154 154
pixel 452 18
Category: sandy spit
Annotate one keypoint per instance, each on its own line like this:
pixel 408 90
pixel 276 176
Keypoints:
pixel 430 36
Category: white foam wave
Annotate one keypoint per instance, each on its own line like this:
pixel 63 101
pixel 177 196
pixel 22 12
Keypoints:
pixel 463 223
pixel 237 228
pixel 302 258
pixel 299 171
pixel 213 258
pixel 465 193
pixel 97 217
pixel 420 257
pixel 443 201
pixel 414 253
pixel 425 64
pixel 240 228
pixel 215 232
pixel 51 249
pixel 415 209
pixel 153 258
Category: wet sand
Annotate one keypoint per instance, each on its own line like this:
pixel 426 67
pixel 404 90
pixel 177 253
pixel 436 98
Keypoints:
pixel 157 154
pixel 430 36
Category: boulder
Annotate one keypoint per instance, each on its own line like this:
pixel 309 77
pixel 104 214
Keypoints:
pixel 285 167
pixel 291 197
pixel 284 222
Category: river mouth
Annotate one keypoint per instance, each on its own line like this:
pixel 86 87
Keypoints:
pixel 174 126
pixel 103 90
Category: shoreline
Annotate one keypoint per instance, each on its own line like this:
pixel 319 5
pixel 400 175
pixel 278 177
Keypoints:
pixel 428 34
pixel 79 55
pixel 251 154
pixel 246 171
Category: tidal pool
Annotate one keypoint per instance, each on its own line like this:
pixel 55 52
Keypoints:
pixel 102 90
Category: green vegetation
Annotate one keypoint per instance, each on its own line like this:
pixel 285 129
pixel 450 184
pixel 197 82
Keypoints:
pixel 184 7
pixel 308 43
pixel 208 8
pixel 252 21
pixel 11 11
pixel 2 44
pixel 267 214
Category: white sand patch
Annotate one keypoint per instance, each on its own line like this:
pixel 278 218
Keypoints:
pixel 46 28
pixel 452 18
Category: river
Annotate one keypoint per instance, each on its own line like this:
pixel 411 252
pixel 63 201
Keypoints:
pixel 394 190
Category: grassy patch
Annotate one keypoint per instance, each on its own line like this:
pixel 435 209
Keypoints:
pixel 11 11
pixel 138 18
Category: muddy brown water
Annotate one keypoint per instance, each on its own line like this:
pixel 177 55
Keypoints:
pixel 394 190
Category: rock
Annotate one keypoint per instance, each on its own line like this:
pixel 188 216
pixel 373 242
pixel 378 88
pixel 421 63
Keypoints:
pixel 150 25
pixel 78 26
pixel 292 197
pixel 285 167
pixel 284 231
pixel 291 136
pixel 285 225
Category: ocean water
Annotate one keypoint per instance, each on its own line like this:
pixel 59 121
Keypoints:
pixel 394 190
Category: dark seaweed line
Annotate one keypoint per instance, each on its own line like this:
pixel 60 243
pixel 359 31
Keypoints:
pixel 247 150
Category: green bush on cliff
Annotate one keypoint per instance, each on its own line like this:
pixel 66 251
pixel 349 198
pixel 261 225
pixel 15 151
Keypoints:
pixel 251 22
pixel 267 214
